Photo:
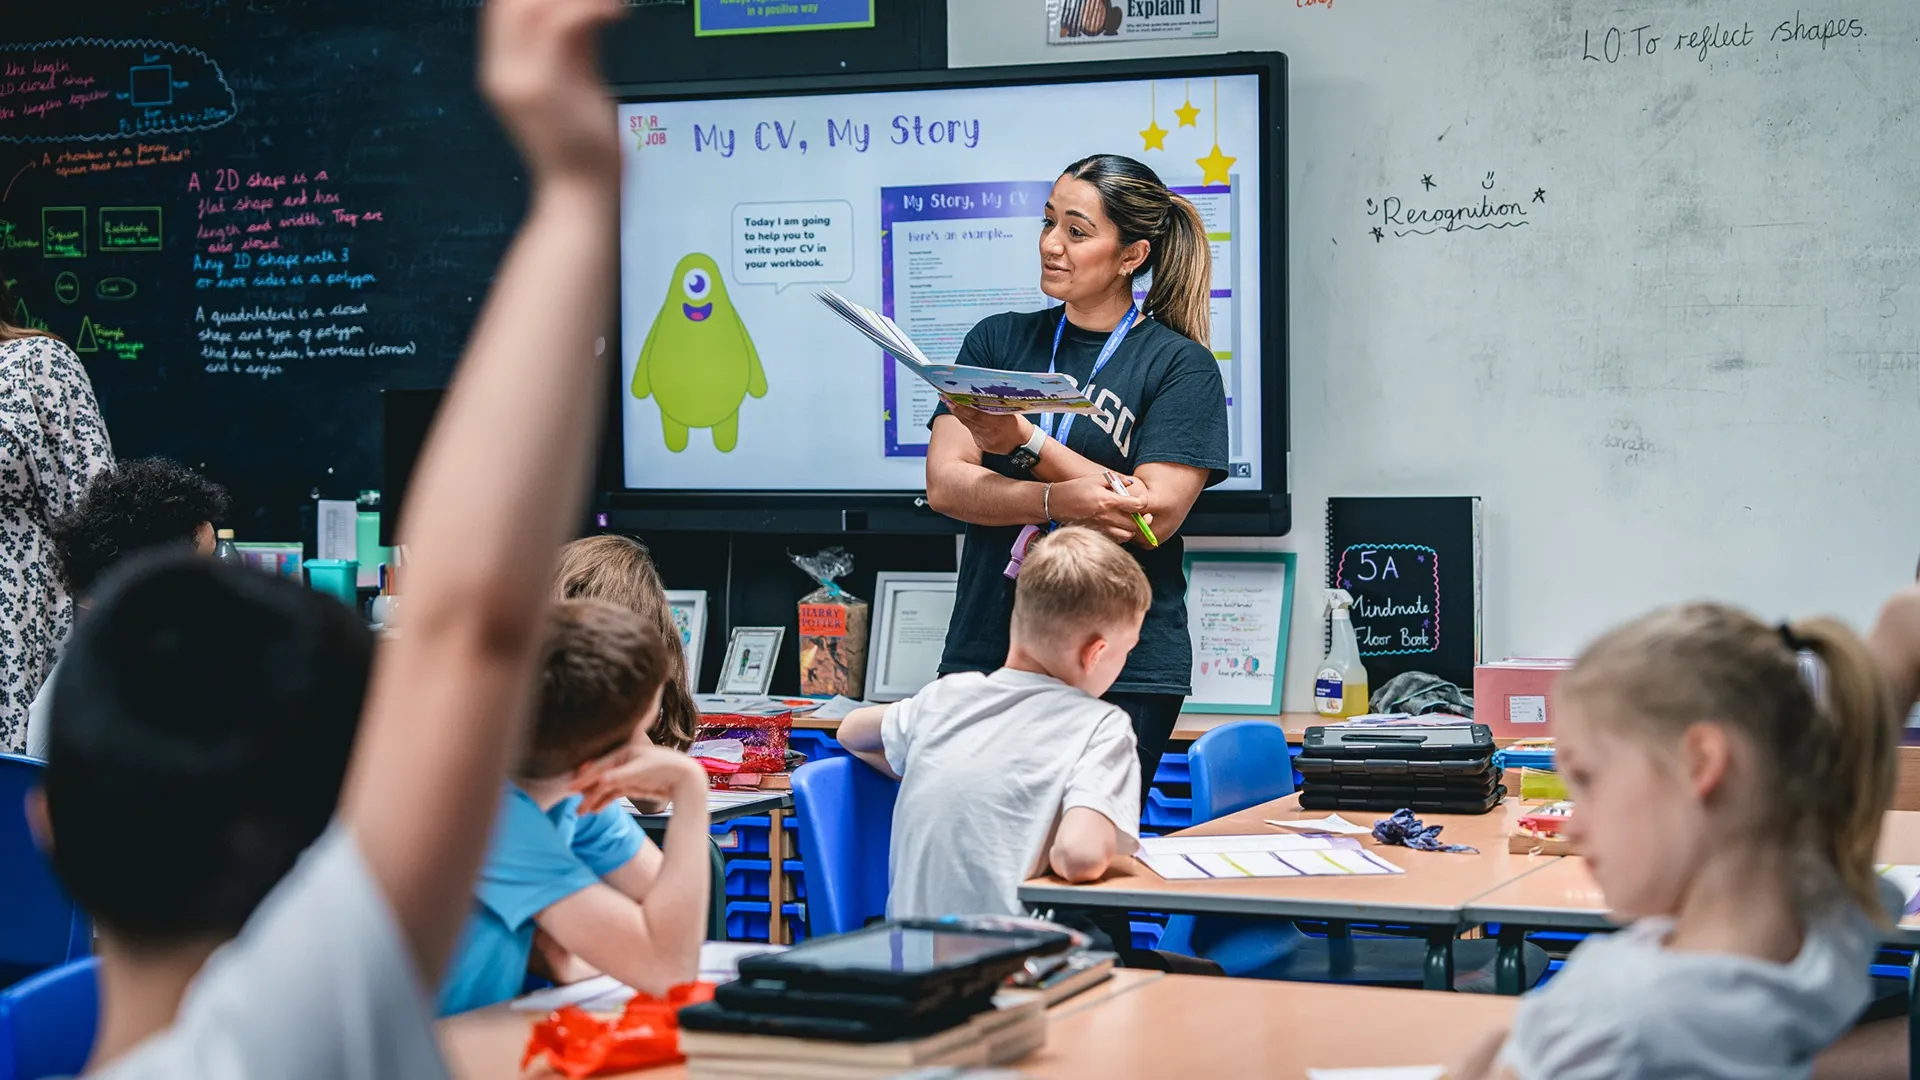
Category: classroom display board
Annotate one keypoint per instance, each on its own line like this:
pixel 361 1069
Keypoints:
pixel 247 218
pixel 1644 276
pixel 924 205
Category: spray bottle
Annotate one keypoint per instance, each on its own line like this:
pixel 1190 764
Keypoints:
pixel 1340 688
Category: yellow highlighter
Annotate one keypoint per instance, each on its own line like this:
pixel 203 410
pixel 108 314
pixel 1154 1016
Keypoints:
pixel 1145 530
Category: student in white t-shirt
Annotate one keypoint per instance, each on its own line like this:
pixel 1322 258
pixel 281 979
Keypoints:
pixel 1007 774
pixel 1729 780
pixel 332 975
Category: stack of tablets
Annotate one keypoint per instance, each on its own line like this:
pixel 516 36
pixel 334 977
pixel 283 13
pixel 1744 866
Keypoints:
pixel 1436 769
pixel 875 1002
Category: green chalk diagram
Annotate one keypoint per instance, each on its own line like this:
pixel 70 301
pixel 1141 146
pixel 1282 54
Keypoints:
pixel 698 361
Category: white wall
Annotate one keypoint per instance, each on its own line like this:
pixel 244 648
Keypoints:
pixel 1695 372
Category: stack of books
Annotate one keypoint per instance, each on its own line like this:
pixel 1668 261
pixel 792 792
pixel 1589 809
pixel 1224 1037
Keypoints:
pixel 999 1036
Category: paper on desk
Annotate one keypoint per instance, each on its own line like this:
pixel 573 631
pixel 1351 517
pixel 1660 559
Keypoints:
pixel 719 962
pixel 1332 823
pixel 836 708
pixel 1391 1073
pixel 1908 880
pixel 1194 858
pixel 1187 845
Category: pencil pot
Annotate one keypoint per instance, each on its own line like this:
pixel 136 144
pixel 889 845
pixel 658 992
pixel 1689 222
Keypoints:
pixel 335 577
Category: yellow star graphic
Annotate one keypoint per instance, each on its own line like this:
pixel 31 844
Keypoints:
pixel 1189 116
pixel 1155 136
pixel 1213 167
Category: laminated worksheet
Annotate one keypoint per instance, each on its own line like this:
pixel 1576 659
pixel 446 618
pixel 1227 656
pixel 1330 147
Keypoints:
pixel 1193 858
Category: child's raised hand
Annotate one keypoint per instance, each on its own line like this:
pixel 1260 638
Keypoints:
pixel 647 773
pixel 539 66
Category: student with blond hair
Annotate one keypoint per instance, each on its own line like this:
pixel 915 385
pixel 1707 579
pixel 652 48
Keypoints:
pixel 1731 778
pixel 1007 774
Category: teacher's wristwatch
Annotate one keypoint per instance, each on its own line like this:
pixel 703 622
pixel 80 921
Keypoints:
pixel 1027 455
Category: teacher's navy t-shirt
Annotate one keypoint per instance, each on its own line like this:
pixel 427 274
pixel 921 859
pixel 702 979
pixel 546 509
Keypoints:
pixel 1160 399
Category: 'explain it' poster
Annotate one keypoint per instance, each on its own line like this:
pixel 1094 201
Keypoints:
pixel 1082 22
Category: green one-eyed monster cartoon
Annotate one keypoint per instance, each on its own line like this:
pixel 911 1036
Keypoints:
pixel 698 362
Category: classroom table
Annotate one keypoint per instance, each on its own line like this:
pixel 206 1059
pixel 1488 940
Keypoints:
pixel 1432 892
pixel 486 1044
pixel 1189 1025
pixel 1146 1025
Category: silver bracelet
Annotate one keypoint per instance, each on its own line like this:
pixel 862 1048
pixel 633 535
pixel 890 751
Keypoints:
pixel 1046 501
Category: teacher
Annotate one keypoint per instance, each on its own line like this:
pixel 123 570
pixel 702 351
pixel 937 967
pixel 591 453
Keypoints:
pixel 1161 424
pixel 52 442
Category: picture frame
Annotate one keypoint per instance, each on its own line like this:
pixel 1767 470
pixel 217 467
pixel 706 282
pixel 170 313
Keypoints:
pixel 911 610
pixel 752 654
pixel 1239 608
pixel 688 608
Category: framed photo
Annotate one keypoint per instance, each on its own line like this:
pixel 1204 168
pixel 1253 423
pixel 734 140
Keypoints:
pixel 751 655
pixel 910 615
pixel 689 610
pixel 1239 605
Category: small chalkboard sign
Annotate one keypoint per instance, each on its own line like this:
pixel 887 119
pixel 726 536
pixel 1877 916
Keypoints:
pixel 1413 568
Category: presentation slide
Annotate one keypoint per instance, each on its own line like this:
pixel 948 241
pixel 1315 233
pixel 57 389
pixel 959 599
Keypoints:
pixel 925 205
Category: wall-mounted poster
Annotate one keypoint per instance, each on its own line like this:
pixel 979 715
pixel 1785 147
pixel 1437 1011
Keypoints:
pixel 1081 22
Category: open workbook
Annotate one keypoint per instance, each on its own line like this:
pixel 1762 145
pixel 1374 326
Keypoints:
pixel 990 390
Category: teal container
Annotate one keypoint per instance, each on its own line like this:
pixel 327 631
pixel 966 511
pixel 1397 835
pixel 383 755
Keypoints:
pixel 336 578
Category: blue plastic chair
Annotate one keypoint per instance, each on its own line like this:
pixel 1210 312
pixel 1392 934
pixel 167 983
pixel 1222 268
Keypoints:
pixel 844 811
pixel 1244 764
pixel 1233 767
pixel 40 927
pixel 47 1022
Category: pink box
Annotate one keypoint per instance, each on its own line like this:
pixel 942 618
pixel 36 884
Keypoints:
pixel 1513 696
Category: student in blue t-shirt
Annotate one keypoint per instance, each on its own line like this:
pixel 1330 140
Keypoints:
pixel 567 860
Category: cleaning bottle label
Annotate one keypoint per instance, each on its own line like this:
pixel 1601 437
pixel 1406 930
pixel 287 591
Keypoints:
pixel 1329 692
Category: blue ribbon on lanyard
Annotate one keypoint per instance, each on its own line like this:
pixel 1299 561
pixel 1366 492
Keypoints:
pixel 1106 354
pixel 1047 419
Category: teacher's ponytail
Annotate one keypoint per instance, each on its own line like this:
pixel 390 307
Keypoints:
pixel 1178 256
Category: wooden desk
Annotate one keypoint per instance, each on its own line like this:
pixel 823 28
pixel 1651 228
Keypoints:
pixel 1191 726
pixel 486 1044
pixel 1185 1025
pixel 1564 896
pixel 1432 892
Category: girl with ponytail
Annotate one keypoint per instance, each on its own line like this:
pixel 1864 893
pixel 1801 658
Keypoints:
pixel 1728 780
pixel 1128 261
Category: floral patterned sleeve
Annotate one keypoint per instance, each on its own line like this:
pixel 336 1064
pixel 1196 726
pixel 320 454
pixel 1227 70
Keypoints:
pixel 73 437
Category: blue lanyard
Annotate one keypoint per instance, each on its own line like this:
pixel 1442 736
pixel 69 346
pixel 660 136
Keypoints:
pixel 1106 354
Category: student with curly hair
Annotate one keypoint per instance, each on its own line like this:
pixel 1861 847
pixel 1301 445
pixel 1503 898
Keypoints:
pixel 140 505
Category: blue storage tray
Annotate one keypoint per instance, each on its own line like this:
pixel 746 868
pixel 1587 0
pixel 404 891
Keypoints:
pixel 747 835
pixel 1165 811
pixel 747 920
pixel 817 745
pixel 747 878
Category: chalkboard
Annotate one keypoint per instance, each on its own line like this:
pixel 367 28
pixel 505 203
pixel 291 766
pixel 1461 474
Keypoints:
pixel 249 216
pixel 1412 566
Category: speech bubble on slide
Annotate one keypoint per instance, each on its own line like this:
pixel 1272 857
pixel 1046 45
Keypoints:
pixel 788 243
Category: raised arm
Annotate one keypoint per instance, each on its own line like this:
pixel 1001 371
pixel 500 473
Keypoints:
pixel 500 486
